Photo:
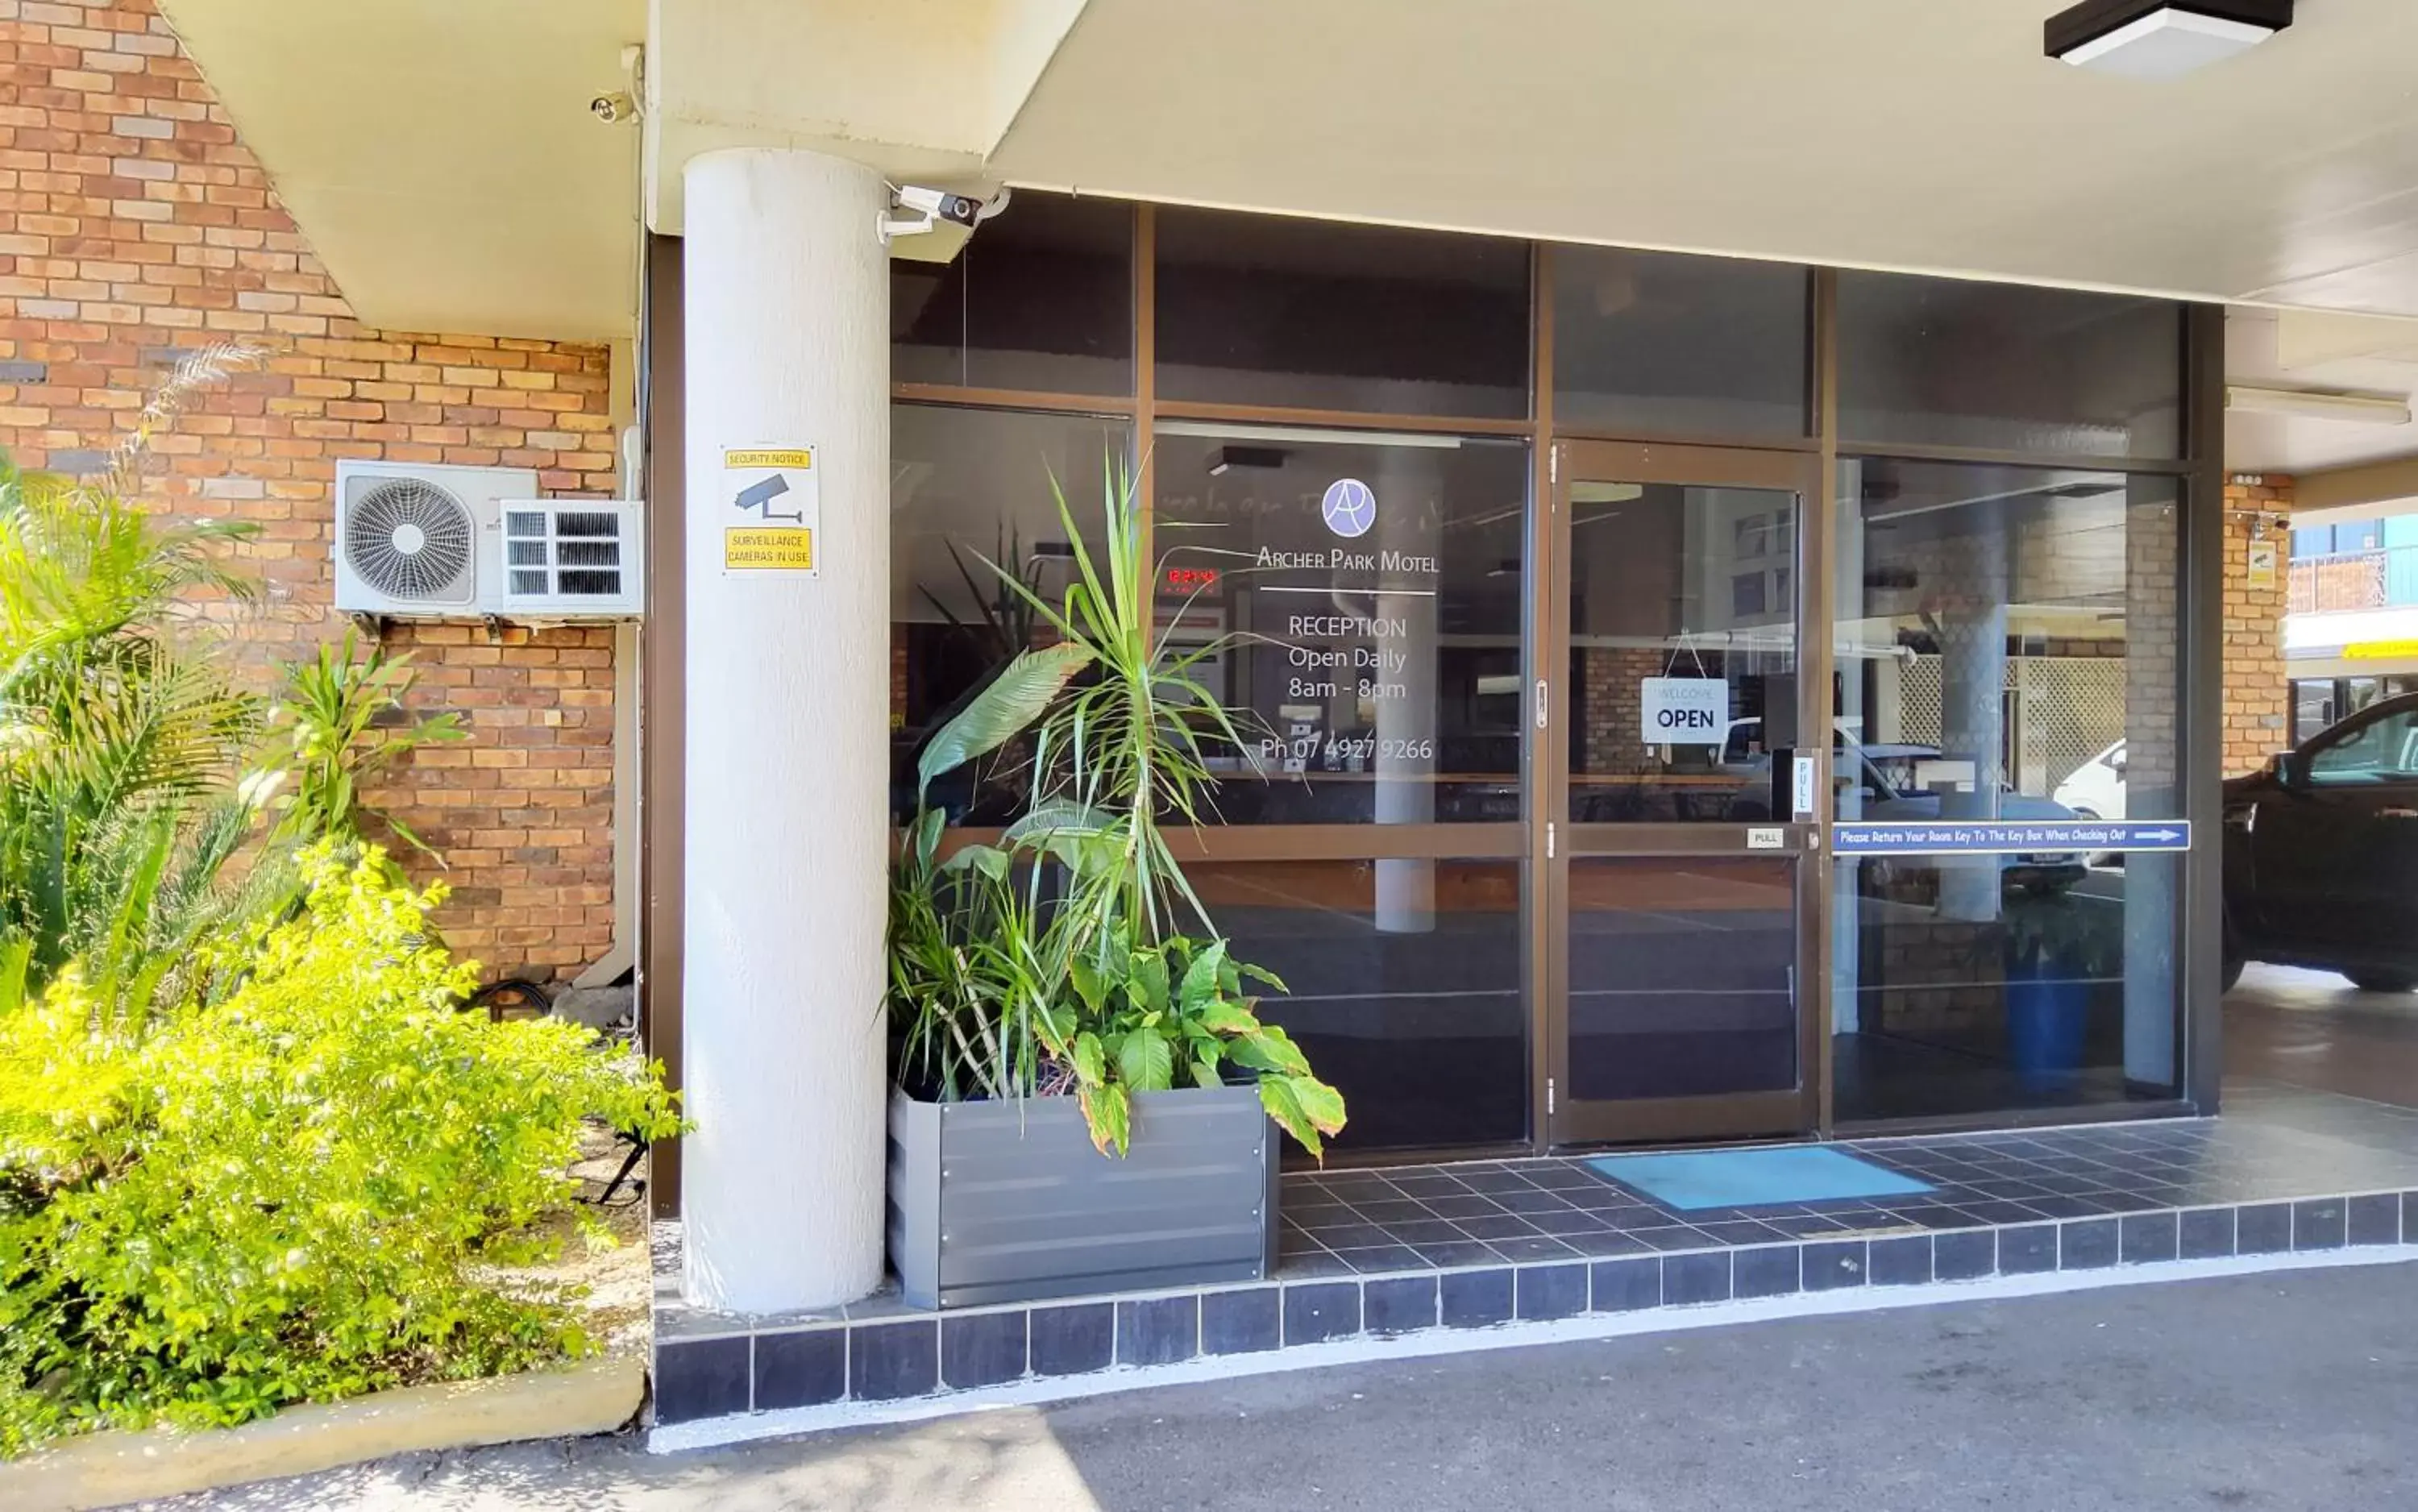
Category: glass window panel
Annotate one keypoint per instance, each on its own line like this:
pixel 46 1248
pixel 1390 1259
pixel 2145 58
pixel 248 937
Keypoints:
pixel 1319 314
pixel 1039 297
pixel 1403 988
pixel 2313 708
pixel 1682 977
pixel 2008 367
pixel 2381 750
pixel 968 485
pixel 2002 632
pixel 1661 343
pixel 1368 591
pixel 1672 585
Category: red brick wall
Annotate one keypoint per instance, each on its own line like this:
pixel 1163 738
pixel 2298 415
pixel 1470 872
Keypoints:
pixel 134 226
pixel 2257 689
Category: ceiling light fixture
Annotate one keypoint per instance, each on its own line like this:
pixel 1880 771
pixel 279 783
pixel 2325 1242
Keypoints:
pixel 2161 38
pixel 1264 457
pixel 2307 404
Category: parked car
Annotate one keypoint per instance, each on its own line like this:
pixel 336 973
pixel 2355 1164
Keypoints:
pixel 2095 790
pixel 2321 853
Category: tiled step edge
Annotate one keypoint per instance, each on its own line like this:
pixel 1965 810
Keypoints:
pixel 727 1387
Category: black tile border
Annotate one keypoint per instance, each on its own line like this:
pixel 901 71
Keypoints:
pixel 714 1365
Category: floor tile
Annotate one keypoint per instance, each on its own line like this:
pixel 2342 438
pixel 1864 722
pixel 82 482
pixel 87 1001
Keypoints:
pixel 701 1377
pixel 981 1349
pixel 1072 1341
pixel 2204 1233
pixel 1160 1330
pixel 1830 1266
pixel 1476 1299
pixel 2086 1244
pixel 1901 1261
pixel 1627 1285
pixel 1317 1311
pixel 1543 1292
pixel 1765 1271
pixel 888 1361
pixel 809 1367
pixel 1247 1321
pixel 2146 1238
pixel 2264 1228
pixel 1696 1277
pixel 1399 1305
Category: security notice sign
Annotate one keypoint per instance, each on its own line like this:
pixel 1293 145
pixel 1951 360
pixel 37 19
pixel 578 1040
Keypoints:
pixel 774 497
pixel 1686 710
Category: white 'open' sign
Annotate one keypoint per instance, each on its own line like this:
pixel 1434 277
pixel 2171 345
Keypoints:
pixel 1686 710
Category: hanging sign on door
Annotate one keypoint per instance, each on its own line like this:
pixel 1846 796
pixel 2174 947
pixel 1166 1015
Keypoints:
pixel 1686 710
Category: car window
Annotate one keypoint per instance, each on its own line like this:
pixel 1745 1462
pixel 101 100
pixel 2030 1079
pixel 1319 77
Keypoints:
pixel 2381 750
pixel 1745 737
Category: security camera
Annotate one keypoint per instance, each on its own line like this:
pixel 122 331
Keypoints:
pixel 612 108
pixel 929 207
pixel 961 209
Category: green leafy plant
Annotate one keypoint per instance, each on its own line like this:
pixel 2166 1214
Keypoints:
pixel 341 725
pixel 122 730
pixel 297 1194
pixel 1062 951
pixel 1174 1012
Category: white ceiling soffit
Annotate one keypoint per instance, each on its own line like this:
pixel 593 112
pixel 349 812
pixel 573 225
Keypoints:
pixel 1912 134
pixel 921 89
pixel 440 155
pixel 2320 352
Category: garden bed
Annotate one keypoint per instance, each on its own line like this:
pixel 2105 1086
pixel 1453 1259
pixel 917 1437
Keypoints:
pixel 598 1394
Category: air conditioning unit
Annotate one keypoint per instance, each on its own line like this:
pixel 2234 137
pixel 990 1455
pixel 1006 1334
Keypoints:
pixel 422 540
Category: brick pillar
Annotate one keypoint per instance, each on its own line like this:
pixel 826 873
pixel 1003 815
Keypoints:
pixel 2258 690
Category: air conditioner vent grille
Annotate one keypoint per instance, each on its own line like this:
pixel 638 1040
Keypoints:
pixel 408 539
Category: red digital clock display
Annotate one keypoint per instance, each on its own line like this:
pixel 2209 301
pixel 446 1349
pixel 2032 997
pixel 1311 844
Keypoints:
pixel 1191 579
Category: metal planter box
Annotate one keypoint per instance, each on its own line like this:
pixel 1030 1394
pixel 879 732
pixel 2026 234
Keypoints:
pixel 1008 1202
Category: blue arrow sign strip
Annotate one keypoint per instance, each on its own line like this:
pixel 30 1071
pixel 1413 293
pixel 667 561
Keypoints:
pixel 1980 838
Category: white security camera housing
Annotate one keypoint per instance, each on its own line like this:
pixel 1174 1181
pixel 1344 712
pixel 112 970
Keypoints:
pixel 928 209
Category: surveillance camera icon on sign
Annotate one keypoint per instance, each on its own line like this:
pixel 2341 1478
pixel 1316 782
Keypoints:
pixel 1349 508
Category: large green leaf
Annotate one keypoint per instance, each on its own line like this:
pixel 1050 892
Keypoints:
pixel 1015 699
pixel 1227 1018
pixel 1270 1049
pixel 1110 1116
pixel 1200 977
pixel 1145 1062
pixel 1277 1096
pixel 1091 1059
pixel 1149 981
pixel 988 860
pixel 1320 1103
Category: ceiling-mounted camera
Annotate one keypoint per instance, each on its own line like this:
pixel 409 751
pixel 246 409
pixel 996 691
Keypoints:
pixel 928 207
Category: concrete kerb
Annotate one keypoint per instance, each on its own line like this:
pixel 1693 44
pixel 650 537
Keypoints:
pixel 110 1469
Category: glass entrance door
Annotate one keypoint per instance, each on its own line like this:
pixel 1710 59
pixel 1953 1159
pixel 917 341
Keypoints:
pixel 1680 847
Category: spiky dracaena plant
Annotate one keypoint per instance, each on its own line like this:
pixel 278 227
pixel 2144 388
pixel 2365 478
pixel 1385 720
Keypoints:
pixel 988 978
pixel 121 733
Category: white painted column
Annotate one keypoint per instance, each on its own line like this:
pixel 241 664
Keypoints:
pixel 788 309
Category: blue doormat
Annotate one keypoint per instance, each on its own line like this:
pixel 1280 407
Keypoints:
pixel 1756 1178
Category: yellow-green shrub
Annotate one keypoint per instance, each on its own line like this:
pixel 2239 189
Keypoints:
pixel 287 1195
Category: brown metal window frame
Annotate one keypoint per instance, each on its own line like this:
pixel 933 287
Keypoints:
pixel 1818 452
